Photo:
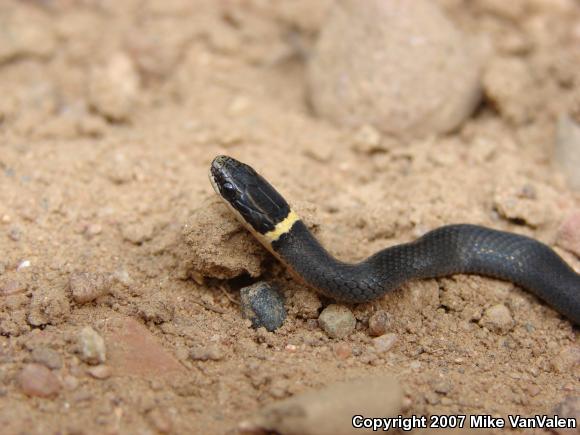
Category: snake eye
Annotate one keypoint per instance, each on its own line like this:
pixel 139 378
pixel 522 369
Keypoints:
pixel 229 191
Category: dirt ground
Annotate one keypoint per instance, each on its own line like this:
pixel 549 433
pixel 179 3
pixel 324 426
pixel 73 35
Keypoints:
pixel 110 114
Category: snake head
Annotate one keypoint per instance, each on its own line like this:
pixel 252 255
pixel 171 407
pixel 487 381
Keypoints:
pixel 254 200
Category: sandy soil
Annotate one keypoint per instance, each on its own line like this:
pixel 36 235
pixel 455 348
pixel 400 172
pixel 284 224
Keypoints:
pixel 109 117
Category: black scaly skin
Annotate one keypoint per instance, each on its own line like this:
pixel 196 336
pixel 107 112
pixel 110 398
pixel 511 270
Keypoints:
pixel 442 252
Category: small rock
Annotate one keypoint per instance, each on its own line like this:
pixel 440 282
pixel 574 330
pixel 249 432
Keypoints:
pixel 47 357
pixel 567 359
pixel 91 346
pixel 569 233
pixel 337 321
pixel 385 342
pixel 263 305
pixel 114 87
pixel 567 150
pixel 342 350
pixel 100 372
pixel 211 352
pixel 497 318
pixel 37 380
pixel 86 286
pixel 379 323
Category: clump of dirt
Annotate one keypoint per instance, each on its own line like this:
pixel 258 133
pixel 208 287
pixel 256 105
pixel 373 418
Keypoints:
pixel 110 115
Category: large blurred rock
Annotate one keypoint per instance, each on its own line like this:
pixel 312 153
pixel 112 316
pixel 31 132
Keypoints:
pixel 398 65
pixel 567 151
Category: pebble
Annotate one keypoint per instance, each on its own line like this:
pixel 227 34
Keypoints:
pixel 47 357
pixel 263 305
pixel 568 236
pixel 91 346
pixel 37 380
pixel 100 371
pixel 497 318
pixel 207 353
pixel 385 342
pixel 342 350
pixel 379 323
pixel 567 150
pixel 337 321
pixel 87 286
pixel 398 65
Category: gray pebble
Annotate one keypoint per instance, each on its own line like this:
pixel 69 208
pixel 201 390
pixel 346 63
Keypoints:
pixel 337 321
pixel 263 305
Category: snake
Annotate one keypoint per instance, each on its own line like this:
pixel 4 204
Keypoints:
pixel 444 251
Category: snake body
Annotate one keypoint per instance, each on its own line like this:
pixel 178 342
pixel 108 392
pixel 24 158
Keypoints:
pixel 448 250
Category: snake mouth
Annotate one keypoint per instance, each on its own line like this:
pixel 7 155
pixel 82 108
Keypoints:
pixel 217 172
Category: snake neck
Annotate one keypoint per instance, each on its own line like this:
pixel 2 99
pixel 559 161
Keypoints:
pixel 301 252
